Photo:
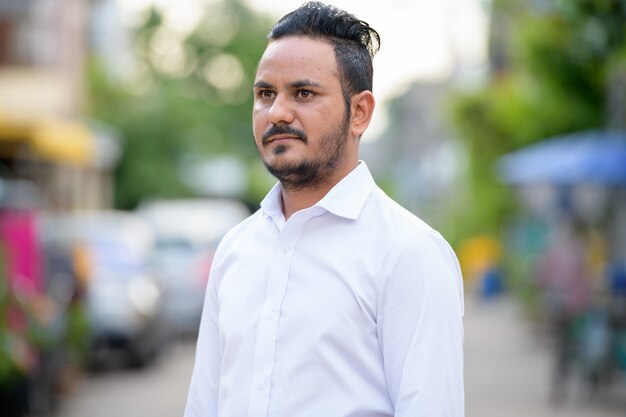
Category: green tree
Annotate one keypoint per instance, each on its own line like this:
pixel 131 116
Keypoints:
pixel 190 96
pixel 552 62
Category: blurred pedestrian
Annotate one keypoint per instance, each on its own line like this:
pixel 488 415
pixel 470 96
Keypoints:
pixel 331 300
pixel 563 276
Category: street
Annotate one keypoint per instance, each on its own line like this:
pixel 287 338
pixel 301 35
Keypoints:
pixel 506 374
pixel 507 369
pixel 157 391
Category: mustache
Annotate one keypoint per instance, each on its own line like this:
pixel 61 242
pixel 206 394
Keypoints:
pixel 283 130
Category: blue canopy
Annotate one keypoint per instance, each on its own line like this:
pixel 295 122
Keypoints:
pixel 585 157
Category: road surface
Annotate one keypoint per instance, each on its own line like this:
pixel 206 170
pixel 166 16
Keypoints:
pixel 506 374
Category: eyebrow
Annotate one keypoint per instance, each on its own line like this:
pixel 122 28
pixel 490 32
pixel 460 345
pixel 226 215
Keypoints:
pixel 304 83
pixel 295 84
pixel 262 84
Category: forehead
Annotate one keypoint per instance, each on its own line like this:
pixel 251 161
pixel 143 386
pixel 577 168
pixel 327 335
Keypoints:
pixel 298 57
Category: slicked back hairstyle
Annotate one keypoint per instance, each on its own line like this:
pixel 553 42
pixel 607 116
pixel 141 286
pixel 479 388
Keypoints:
pixel 354 41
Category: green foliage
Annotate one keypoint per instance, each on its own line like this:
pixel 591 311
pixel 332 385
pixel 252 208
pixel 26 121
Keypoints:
pixel 188 96
pixel 22 333
pixel 551 78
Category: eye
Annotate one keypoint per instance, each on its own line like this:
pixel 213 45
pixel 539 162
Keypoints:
pixel 266 94
pixel 305 93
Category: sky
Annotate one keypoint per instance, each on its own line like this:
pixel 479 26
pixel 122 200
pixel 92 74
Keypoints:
pixel 420 39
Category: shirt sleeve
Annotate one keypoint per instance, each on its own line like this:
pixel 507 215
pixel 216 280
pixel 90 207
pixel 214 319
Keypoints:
pixel 202 400
pixel 420 329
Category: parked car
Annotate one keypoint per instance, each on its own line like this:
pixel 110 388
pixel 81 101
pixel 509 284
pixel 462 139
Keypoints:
pixel 187 233
pixel 124 300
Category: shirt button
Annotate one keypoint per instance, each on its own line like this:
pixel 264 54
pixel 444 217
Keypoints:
pixel 286 249
pixel 271 315
pixel 261 384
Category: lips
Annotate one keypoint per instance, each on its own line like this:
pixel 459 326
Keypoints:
pixel 281 138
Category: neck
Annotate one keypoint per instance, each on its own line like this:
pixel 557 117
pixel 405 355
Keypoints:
pixel 298 199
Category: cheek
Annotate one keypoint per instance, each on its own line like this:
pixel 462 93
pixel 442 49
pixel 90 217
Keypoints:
pixel 258 125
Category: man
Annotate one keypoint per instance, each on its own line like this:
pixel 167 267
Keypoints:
pixel 331 300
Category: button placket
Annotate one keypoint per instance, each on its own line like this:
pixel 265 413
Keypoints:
pixel 262 384
pixel 271 314
pixel 267 332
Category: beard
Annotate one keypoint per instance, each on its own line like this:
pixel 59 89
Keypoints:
pixel 309 172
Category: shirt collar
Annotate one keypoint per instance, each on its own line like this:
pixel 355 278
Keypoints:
pixel 348 196
pixel 272 204
pixel 345 199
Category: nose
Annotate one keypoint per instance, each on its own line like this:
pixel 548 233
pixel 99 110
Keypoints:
pixel 281 111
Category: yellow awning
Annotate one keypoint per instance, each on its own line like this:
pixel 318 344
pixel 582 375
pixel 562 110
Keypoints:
pixel 53 140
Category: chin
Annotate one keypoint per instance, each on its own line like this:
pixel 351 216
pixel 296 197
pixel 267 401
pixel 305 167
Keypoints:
pixel 283 163
pixel 283 158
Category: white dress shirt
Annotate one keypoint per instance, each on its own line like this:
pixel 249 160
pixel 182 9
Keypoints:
pixel 351 308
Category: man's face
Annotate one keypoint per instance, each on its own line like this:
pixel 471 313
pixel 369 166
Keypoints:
pixel 301 129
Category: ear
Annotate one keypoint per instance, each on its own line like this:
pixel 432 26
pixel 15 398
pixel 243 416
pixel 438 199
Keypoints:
pixel 362 109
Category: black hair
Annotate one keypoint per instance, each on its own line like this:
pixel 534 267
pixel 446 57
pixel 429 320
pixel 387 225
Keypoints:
pixel 354 41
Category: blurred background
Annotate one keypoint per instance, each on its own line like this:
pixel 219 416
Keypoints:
pixel 126 152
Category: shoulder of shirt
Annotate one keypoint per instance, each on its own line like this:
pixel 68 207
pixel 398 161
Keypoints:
pixel 406 229
pixel 404 220
pixel 411 238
